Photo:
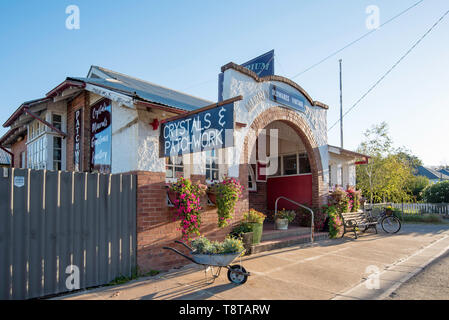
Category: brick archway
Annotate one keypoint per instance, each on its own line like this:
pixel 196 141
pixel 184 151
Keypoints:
pixel 300 126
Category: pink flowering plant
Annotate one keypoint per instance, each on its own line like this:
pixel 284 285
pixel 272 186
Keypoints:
pixel 354 199
pixel 188 207
pixel 228 192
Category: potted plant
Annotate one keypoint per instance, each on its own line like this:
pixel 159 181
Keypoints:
pixel 255 219
pixel 389 210
pixel 227 193
pixel 211 195
pixel 187 204
pixel 244 231
pixel 283 218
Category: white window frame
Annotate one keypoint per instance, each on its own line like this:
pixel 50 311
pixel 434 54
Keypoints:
pixel 209 160
pixel 281 165
pixel 172 167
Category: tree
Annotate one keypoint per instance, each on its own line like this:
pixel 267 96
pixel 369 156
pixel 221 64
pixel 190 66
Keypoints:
pixel 416 185
pixel 389 171
pixel 437 193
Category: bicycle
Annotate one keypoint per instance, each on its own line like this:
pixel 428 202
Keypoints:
pixel 389 222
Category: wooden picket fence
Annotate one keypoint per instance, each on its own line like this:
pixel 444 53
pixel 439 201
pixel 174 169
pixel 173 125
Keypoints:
pixel 414 208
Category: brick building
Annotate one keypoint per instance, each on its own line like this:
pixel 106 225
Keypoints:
pixel 108 122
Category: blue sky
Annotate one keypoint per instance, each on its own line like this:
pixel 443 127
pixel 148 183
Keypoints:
pixel 183 44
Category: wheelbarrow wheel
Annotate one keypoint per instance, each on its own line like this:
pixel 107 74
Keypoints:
pixel 237 277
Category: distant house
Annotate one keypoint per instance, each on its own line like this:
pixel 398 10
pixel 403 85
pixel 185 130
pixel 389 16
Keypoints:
pixel 5 159
pixel 444 171
pixel 433 175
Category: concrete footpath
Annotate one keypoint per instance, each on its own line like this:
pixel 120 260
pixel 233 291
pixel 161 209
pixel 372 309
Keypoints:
pixel 371 267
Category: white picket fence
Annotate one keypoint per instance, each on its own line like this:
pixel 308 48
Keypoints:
pixel 414 208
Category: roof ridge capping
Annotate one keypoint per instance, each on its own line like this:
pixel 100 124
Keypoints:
pixel 252 74
pixel 105 70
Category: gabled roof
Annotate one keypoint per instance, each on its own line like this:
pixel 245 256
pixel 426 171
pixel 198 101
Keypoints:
pixel 4 157
pixel 143 89
pixel 430 173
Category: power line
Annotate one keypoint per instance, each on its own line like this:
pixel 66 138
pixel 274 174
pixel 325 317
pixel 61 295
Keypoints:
pixel 394 66
pixel 356 40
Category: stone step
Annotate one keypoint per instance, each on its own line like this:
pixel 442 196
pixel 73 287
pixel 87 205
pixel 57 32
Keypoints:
pixel 268 245
pixel 271 234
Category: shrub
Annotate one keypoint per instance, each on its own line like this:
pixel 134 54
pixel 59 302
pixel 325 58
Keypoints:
pixel 335 223
pixel 254 216
pixel 437 193
pixel 242 228
pixel 304 218
pixel 339 199
pixel 230 245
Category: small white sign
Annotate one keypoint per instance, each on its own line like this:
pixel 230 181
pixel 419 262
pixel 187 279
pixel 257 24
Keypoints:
pixel 19 182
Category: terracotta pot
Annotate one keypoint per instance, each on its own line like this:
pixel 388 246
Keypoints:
pixel 172 195
pixel 212 197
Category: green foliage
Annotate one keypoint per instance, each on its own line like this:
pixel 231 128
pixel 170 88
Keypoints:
pixel 339 198
pixel 388 174
pixel 242 228
pixel 416 185
pixel 335 223
pixel 437 193
pixel 286 214
pixel 254 216
pixel 203 245
pixel 228 192
pixel 134 275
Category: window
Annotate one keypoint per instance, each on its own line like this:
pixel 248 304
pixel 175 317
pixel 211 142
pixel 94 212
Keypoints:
pixel 22 160
pixel 304 164
pixel 37 153
pixel 252 186
pixel 56 120
pixel 57 153
pixel 174 167
pixel 292 164
pixel 211 165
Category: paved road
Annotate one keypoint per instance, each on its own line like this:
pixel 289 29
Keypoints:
pixel 431 283
pixel 331 269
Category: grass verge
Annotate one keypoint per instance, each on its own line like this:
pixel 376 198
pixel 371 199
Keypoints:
pixel 425 218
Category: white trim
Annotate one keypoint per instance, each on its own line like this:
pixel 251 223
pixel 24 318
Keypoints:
pixel 252 174
pixel 114 96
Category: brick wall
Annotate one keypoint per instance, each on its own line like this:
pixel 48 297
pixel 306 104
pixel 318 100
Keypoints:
pixel 17 148
pixel 258 198
pixel 156 228
pixel 79 102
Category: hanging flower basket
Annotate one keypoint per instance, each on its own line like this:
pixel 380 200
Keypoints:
pixel 212 196
pixel 172 195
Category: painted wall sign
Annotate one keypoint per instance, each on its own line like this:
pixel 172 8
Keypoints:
pixel 77 141
pixel 262 65
pixel 211 129
pixel 286 98
pixel 100 146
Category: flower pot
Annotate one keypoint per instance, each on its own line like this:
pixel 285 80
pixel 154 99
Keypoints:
pixel 212 197
pixel 172 195
pixel 257 231
pixel 281 224
pixel 247 239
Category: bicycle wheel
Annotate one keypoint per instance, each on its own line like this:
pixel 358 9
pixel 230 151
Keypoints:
pixel 391 224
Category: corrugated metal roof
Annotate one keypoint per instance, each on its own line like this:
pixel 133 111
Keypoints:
pixel 430 173
pixel 5 158
pixel 145 90
pixel 444 171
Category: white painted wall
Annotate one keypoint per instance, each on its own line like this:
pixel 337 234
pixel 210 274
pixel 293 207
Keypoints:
pixel 256 101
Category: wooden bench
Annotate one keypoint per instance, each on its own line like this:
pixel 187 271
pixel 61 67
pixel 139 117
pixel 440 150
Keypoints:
pixel 353 221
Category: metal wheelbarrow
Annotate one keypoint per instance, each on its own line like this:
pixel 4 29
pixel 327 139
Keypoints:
pixel 236 273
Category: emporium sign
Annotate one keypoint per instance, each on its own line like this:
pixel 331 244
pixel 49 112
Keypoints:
pixel 206 130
